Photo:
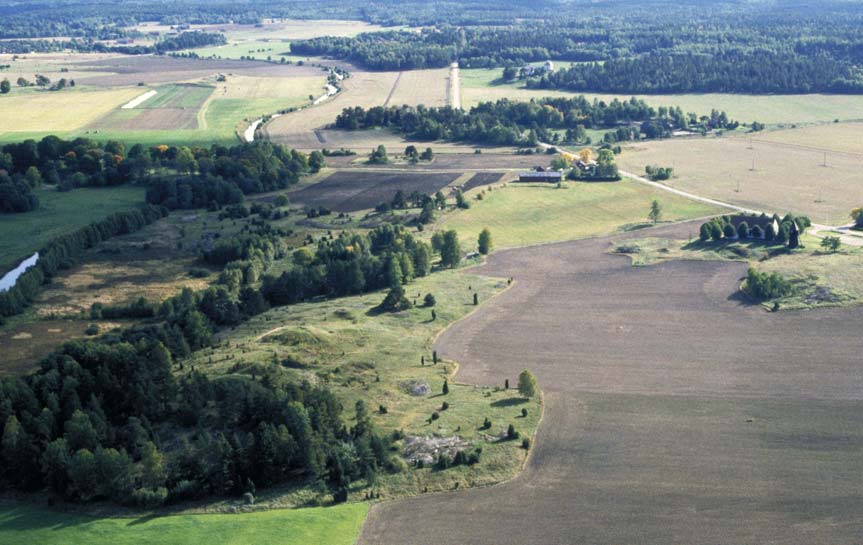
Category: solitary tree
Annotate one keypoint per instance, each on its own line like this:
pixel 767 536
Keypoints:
pixel 445 387
pixel 5 86
pixel 527 384
pixel 450 252
pixel 460 201
pixel 857 216
pixel 484 242
pixel 655 211
pixel 831 243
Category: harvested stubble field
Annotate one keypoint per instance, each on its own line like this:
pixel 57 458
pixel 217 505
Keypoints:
pixel 297 130
pixel 349 191
pixel 833 138
pixel 58 111
pixel 735 436
pixel 522 214
pixel 786 178
pixel 426 87
pixel 478 85
pixel 271 38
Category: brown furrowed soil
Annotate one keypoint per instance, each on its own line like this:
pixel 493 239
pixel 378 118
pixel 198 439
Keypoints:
pixel 675 411
pixel 482 178
pixel 349 191
pixel 130 70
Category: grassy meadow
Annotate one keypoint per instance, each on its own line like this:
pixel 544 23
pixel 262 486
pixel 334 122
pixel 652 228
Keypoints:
pixel 360 355
pixel 523 214
pixel 339 525
pixel 60 213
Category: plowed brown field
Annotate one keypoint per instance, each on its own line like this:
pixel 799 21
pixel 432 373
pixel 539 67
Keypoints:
pixel 675 412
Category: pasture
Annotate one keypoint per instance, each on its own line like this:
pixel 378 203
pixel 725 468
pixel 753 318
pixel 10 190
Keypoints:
pixel 785 177
pixel 736 435
pixel 23 525
pixel 361 355
pixel 479 85
pixel 350 191
pixel 59 213
pixel 523 214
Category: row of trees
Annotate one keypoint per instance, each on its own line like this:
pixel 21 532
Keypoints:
pixel 61 252
pixel 782 230
pixel 178 176
pixel 524 124
pixel 183 40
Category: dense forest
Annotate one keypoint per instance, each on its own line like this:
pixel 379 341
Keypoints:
pixel 101 417
pixel 732 71
pixel 630 47
pixel 668 50
pixel 508 122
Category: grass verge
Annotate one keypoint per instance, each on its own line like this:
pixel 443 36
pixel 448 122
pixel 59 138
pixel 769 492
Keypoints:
pixel 340 525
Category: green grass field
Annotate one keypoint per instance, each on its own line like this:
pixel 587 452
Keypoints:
pixel 339 525
pixel 178 96
pixel 60 213
pixel 478 86
pixel 524 214
pixel 360 355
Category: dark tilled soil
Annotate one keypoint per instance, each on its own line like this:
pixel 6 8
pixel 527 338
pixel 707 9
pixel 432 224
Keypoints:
pixel 482 178
pixel 352 191
pixel 675 411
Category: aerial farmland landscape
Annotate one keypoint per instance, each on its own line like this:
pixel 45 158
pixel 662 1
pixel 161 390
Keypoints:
pixel 423 273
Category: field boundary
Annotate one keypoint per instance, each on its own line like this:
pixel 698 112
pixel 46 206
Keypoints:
pixel 393 89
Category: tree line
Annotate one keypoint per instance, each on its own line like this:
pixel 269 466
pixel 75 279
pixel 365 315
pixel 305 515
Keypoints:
pixel 61 252
pixel 524 124
pixel 178 176
pixel 89 44
pixel 739 70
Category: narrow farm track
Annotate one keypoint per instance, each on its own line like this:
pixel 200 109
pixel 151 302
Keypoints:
pixel 675 412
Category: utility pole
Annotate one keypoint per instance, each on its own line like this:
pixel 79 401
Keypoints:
pixel 824 164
